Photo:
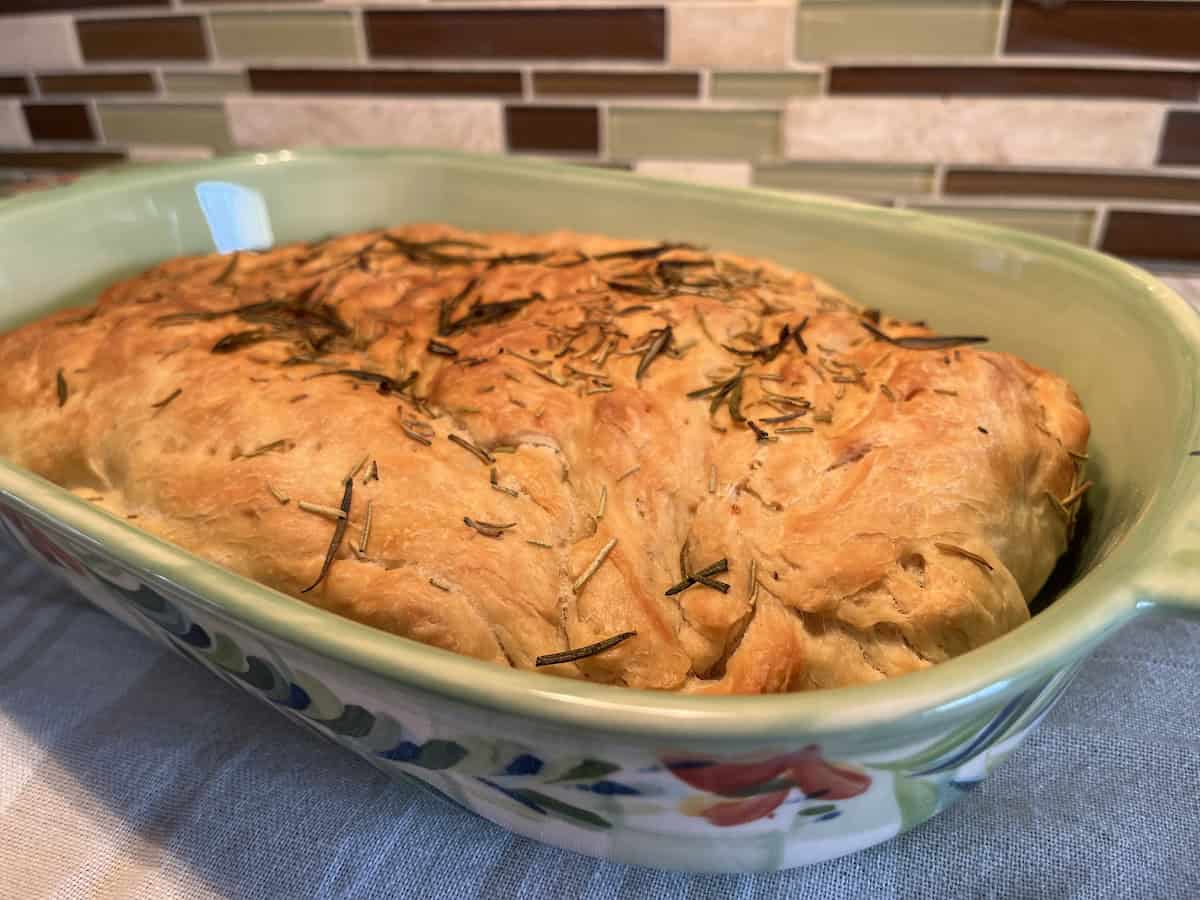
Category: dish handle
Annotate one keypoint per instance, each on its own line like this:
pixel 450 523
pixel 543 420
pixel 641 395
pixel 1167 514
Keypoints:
pixel 1172 583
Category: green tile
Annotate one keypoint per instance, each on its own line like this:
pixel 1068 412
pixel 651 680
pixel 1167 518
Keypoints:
pixel 847 179
pixel 1073 225
pixel 214 83
pixel 635 133
pixel 284 35
pixel 192 124
pixel 764 85
pixel 891 28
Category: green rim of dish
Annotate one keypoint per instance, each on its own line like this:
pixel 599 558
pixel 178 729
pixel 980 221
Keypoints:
pixel 1082 616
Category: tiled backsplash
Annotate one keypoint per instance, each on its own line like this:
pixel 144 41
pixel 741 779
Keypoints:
pixel 1076 118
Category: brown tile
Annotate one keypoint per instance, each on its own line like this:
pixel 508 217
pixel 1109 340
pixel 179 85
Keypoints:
pixel 174 37
pixel 58 122
pixel 382 81
pixel 1181 140
pixel 98 83
pixel 58 159
pixel 26 7
pixel 625 33
pixel 13 85
pixel 1010 182
pixel 1013 80
pixel 1137 27
pixel 1152 235
pixel 553 129
pixel 617 84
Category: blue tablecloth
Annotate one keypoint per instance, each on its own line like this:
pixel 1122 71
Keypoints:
pixel 126 772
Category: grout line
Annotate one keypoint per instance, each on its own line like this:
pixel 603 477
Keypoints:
pixel 1159 134
pixel 35 89
pixel 705 87
pixel 160 81
pixel 1099 226
pixel 526 83
pixel 602 112
pixel 789 36
pixel 362 53
pixel 93 111
pixel 1002 28
pixel 824 77
pixel 210 42
pixel 938 188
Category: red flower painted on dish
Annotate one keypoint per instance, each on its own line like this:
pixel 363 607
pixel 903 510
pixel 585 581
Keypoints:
pixel 756 789
pixel 43 545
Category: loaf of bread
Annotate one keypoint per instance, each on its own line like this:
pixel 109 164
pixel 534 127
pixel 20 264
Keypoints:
pixel 642 464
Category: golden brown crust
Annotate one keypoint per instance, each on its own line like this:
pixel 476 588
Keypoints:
pixel 900 516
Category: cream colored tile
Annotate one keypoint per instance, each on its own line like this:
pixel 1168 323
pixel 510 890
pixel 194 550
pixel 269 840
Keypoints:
pixel 665 133
pixel 896 28
pixel 47 42
pixel 13 131
pixel 734 174
pixel 732 35
pixel 345 121
pixel 1109 133
pixel 1073 225
pixel 154 153
pixel 284 35
pixel 771 86
pixel 212 83
pixel 186 124
pixel 847 179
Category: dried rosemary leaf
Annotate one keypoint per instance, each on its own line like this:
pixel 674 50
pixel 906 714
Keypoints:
pixel 439 349
pixel 488 529
pixel 627 473
pixel 551 659
pixel 280 446
pixel 955 550
pixel 366 529
pixel 702 577
pixel 541 544
pixel 482 455
pixel 60 385
pixel 940 342
pixel 797 429
pixel 593 566
pixel 660 342
pixel 440 585
pixel 161 404
pixel 240 340
pixel 278 495
pixel 1076 494
pixel 339 532
pixel 329 512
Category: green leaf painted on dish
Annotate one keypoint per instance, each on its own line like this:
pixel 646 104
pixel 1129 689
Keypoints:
pixel 588 770
pixel 818 810
pixel 939 748
pixel 566 810
pixel 440 755
pixel 918 800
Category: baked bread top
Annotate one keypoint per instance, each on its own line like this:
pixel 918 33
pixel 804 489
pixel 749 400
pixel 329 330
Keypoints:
pixel 538 437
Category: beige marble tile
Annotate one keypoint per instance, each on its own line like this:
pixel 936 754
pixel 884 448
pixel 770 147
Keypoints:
pixel 156 153
pixel 730 35
pixel 734 174
pixel 345 121
pixel 47 42
pixel 13 131
pixel 1110 133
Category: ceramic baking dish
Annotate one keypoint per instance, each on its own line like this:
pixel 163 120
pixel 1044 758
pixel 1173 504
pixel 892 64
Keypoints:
pixel 702 783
